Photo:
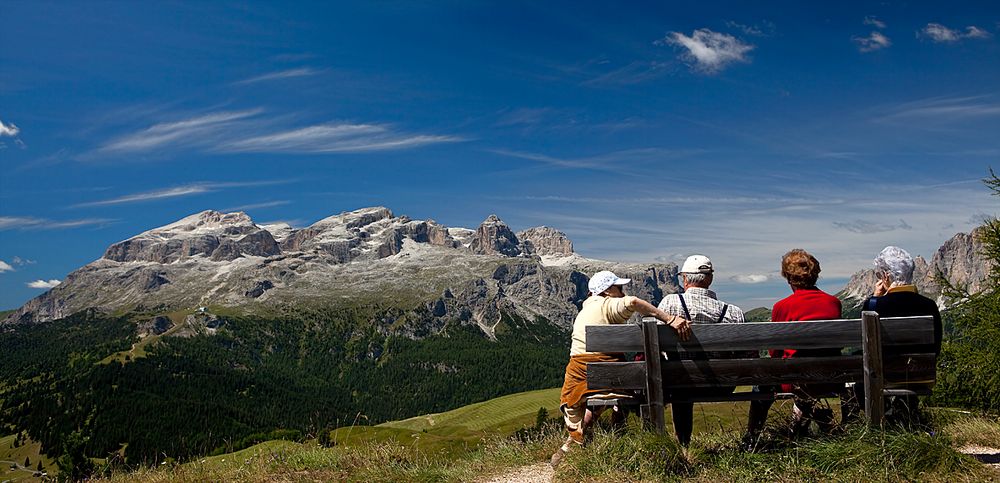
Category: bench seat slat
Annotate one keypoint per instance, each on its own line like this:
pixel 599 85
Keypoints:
pixel 763 335
pixel 913 368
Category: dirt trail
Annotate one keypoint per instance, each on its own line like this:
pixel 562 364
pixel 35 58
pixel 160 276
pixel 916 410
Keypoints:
pixel 536 473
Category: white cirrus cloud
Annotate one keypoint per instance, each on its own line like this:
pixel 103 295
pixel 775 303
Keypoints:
pixel 750 278
pixel 874 22
pixel 8 129
pixel 708 51
pixel 874 41
pixel 33 223
pixel 942 110
pixel 249 131
pixel 5 267
pixel 943 35
pixel 46 284
pixel 178 191
pixel 191 132
pixel 283 74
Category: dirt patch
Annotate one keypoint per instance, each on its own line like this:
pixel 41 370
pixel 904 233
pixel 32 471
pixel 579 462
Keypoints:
pixel 985 454
pixel 536 473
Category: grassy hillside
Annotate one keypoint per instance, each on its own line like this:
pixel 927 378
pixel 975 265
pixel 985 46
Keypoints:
pixel 89 374
pixel 417 449
pixel 11 453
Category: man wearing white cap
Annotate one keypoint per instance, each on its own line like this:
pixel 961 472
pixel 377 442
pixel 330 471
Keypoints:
pixel 701 306
pixel 607 304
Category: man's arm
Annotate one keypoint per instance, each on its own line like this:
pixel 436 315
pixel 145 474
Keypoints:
pixel 681 325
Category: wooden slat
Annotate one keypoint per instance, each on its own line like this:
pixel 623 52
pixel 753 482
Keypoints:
pixel 874 381
pixel 762 335
pixel 654 377
pixel 743 372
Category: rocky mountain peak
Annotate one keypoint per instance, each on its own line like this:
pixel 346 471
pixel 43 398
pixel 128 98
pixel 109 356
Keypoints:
pixel 959 260
pixel 545 241
pixel 494 237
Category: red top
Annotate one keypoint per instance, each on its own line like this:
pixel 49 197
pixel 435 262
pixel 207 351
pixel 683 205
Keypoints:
pixel 804 304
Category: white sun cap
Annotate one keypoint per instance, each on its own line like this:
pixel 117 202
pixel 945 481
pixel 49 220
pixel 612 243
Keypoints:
pixel 603 280
pixel 697 264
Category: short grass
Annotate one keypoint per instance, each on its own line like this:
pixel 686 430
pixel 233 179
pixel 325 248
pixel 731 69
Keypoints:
pixel 464 445
pixel 16 454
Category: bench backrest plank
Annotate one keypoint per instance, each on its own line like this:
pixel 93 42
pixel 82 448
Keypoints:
pixel 762 335
pixel 916 368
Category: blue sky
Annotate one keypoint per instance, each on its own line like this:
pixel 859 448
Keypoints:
pixel 645 131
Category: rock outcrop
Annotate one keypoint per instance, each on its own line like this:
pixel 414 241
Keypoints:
pixel 494 237
pixel 545 241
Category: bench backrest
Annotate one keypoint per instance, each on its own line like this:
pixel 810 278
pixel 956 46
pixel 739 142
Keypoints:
pixel 899 336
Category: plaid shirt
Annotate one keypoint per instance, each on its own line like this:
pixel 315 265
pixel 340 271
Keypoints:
pixel 704 306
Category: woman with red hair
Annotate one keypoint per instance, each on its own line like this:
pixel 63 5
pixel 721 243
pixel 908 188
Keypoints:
pixel 807 302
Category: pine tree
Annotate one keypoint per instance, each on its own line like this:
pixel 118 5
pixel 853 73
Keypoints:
pixel 967 374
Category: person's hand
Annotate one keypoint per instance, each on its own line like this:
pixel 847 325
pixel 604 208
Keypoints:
pixel 882 286
pixel 682 326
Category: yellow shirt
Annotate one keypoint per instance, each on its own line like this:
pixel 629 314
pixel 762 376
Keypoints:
pixel 598 310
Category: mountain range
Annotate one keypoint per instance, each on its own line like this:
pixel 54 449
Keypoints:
pixel 212 259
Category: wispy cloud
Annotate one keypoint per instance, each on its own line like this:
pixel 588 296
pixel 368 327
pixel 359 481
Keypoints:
pixel 254 206
pixel 940 34
pixel 177 191
pixel 763 29
pixel 874 41
pixel 709 52
pixel 249 131
pixel 46 284
pixel 864 226
pixel 942 109
pixel 5 267
pixel 333 138
pixel 612 161
pixel 33 223
pixel 8 129
pixel 282 74
pixel 201 130
pixel 874 22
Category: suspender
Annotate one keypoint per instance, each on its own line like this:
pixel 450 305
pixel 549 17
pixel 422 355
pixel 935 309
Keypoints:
pixel 687 314
pixel 722 316
pixel 684 305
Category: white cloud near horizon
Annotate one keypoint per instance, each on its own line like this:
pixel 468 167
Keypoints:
pixel 750 278
pixel 45 284
pixel 178 191
pixel 708 51
pixel 33 223
pixel 5 267
pixel 283 74
pixel 8 129
pixel 250 131
pixel 938 33
pixel 874 41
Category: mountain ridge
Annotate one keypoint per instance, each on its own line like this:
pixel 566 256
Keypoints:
pixel 226 259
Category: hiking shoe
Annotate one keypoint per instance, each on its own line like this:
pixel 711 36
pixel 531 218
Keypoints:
pixel 557 457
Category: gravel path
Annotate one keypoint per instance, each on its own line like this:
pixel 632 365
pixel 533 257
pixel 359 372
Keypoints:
pixel 536 473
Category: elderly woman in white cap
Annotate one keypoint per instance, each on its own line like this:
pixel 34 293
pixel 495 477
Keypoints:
pixel 607 304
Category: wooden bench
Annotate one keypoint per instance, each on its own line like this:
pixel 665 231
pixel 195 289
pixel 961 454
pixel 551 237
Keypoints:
pixel 904 374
